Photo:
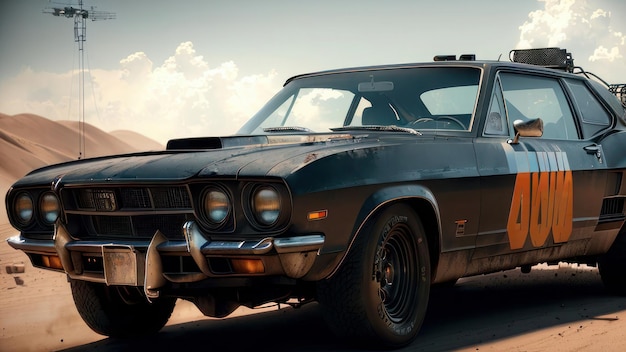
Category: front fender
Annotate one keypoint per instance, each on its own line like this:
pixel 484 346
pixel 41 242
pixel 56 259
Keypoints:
pixel 388 195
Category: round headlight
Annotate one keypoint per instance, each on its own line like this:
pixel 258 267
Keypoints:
pixel 266 205
pixel 23 207
pixel 216 205
pixel 50 208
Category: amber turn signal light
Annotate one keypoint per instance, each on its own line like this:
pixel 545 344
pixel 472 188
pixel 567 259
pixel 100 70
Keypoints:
pixel 51 261
pixel 247 266
pixel 317 215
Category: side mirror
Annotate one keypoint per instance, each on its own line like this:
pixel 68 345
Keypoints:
pixel 530 128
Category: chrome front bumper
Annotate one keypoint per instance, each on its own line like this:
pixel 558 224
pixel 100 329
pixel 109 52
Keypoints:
pixel 138 263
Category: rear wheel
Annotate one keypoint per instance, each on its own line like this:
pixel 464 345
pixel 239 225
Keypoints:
pixel 120 311
pixel 612 266
pixel 380 293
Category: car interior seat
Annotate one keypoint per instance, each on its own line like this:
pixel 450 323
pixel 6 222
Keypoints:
pixel 379 115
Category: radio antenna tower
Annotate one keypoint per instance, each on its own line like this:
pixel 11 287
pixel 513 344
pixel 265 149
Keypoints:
pixel 80 16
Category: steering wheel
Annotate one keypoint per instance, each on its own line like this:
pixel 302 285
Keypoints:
pixel 420 120
pixel 454 120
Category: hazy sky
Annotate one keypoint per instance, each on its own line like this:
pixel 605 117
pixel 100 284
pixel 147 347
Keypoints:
pixel 170 69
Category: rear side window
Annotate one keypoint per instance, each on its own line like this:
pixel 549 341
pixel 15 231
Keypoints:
pixel 594 117
pixel 617 106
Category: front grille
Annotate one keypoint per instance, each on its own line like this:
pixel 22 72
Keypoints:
pixel 97 199
pixel 138 226
pixel 112 199
pixel 170 198
pixel 170 225
pixel 112 225
pixel 136 198
pixel 127 212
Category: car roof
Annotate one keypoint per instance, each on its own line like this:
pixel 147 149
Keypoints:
pixel 483 64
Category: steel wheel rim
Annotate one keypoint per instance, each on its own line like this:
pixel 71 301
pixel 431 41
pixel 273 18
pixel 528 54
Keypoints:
pixel 397 274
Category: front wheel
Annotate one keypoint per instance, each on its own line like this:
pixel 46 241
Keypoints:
pixel 379 295
pixel 119 311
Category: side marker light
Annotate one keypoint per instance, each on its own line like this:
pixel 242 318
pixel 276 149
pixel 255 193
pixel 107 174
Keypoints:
pixel 317 215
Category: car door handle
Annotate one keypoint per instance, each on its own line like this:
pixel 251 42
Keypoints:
pixel 594 149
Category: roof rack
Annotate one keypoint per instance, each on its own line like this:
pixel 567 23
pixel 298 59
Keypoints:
pixel 556 58
pixel 620 92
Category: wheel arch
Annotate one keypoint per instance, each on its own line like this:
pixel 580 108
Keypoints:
pixel 419 198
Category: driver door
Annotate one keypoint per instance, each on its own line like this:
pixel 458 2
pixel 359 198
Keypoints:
pixel 541 196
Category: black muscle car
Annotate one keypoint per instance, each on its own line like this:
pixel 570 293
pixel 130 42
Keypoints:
pixel 357 188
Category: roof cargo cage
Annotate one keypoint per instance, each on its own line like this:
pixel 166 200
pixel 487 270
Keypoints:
pixel 620 92
pixel 556 58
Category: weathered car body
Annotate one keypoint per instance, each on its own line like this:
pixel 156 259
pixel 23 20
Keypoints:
pixel 358 188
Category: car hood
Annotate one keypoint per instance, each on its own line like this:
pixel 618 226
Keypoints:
pixel 200 157
pixel 308 163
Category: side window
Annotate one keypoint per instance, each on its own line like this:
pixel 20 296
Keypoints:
pixel 594 117
pixel 496 124
pixel 530 97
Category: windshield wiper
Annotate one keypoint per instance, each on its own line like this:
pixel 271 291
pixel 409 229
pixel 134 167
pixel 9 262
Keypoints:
pixel 286 129
pixel 391 128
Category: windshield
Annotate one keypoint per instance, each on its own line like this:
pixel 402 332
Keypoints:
pixel 422 99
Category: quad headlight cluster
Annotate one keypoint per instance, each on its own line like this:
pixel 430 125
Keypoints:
pixel 30 207
pixel 222 206
pixel 265 206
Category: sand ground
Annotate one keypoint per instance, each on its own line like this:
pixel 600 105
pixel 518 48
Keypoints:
pixel 559 308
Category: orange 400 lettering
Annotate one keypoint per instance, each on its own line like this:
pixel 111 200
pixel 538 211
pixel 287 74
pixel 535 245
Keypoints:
pixel 542 202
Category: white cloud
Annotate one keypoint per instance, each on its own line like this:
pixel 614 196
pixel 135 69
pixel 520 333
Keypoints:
pixel 599 13
pixel 601 53
pixel 588 32
pixel 182 97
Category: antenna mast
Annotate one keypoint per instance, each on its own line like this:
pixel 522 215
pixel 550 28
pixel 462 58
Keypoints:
pixel 80 17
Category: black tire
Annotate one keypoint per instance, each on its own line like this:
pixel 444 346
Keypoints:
pixel 379 295
pixel 612 266
pixel 446 284
pixel 120 311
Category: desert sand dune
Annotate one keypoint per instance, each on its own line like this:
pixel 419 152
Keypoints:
pixel 30 141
